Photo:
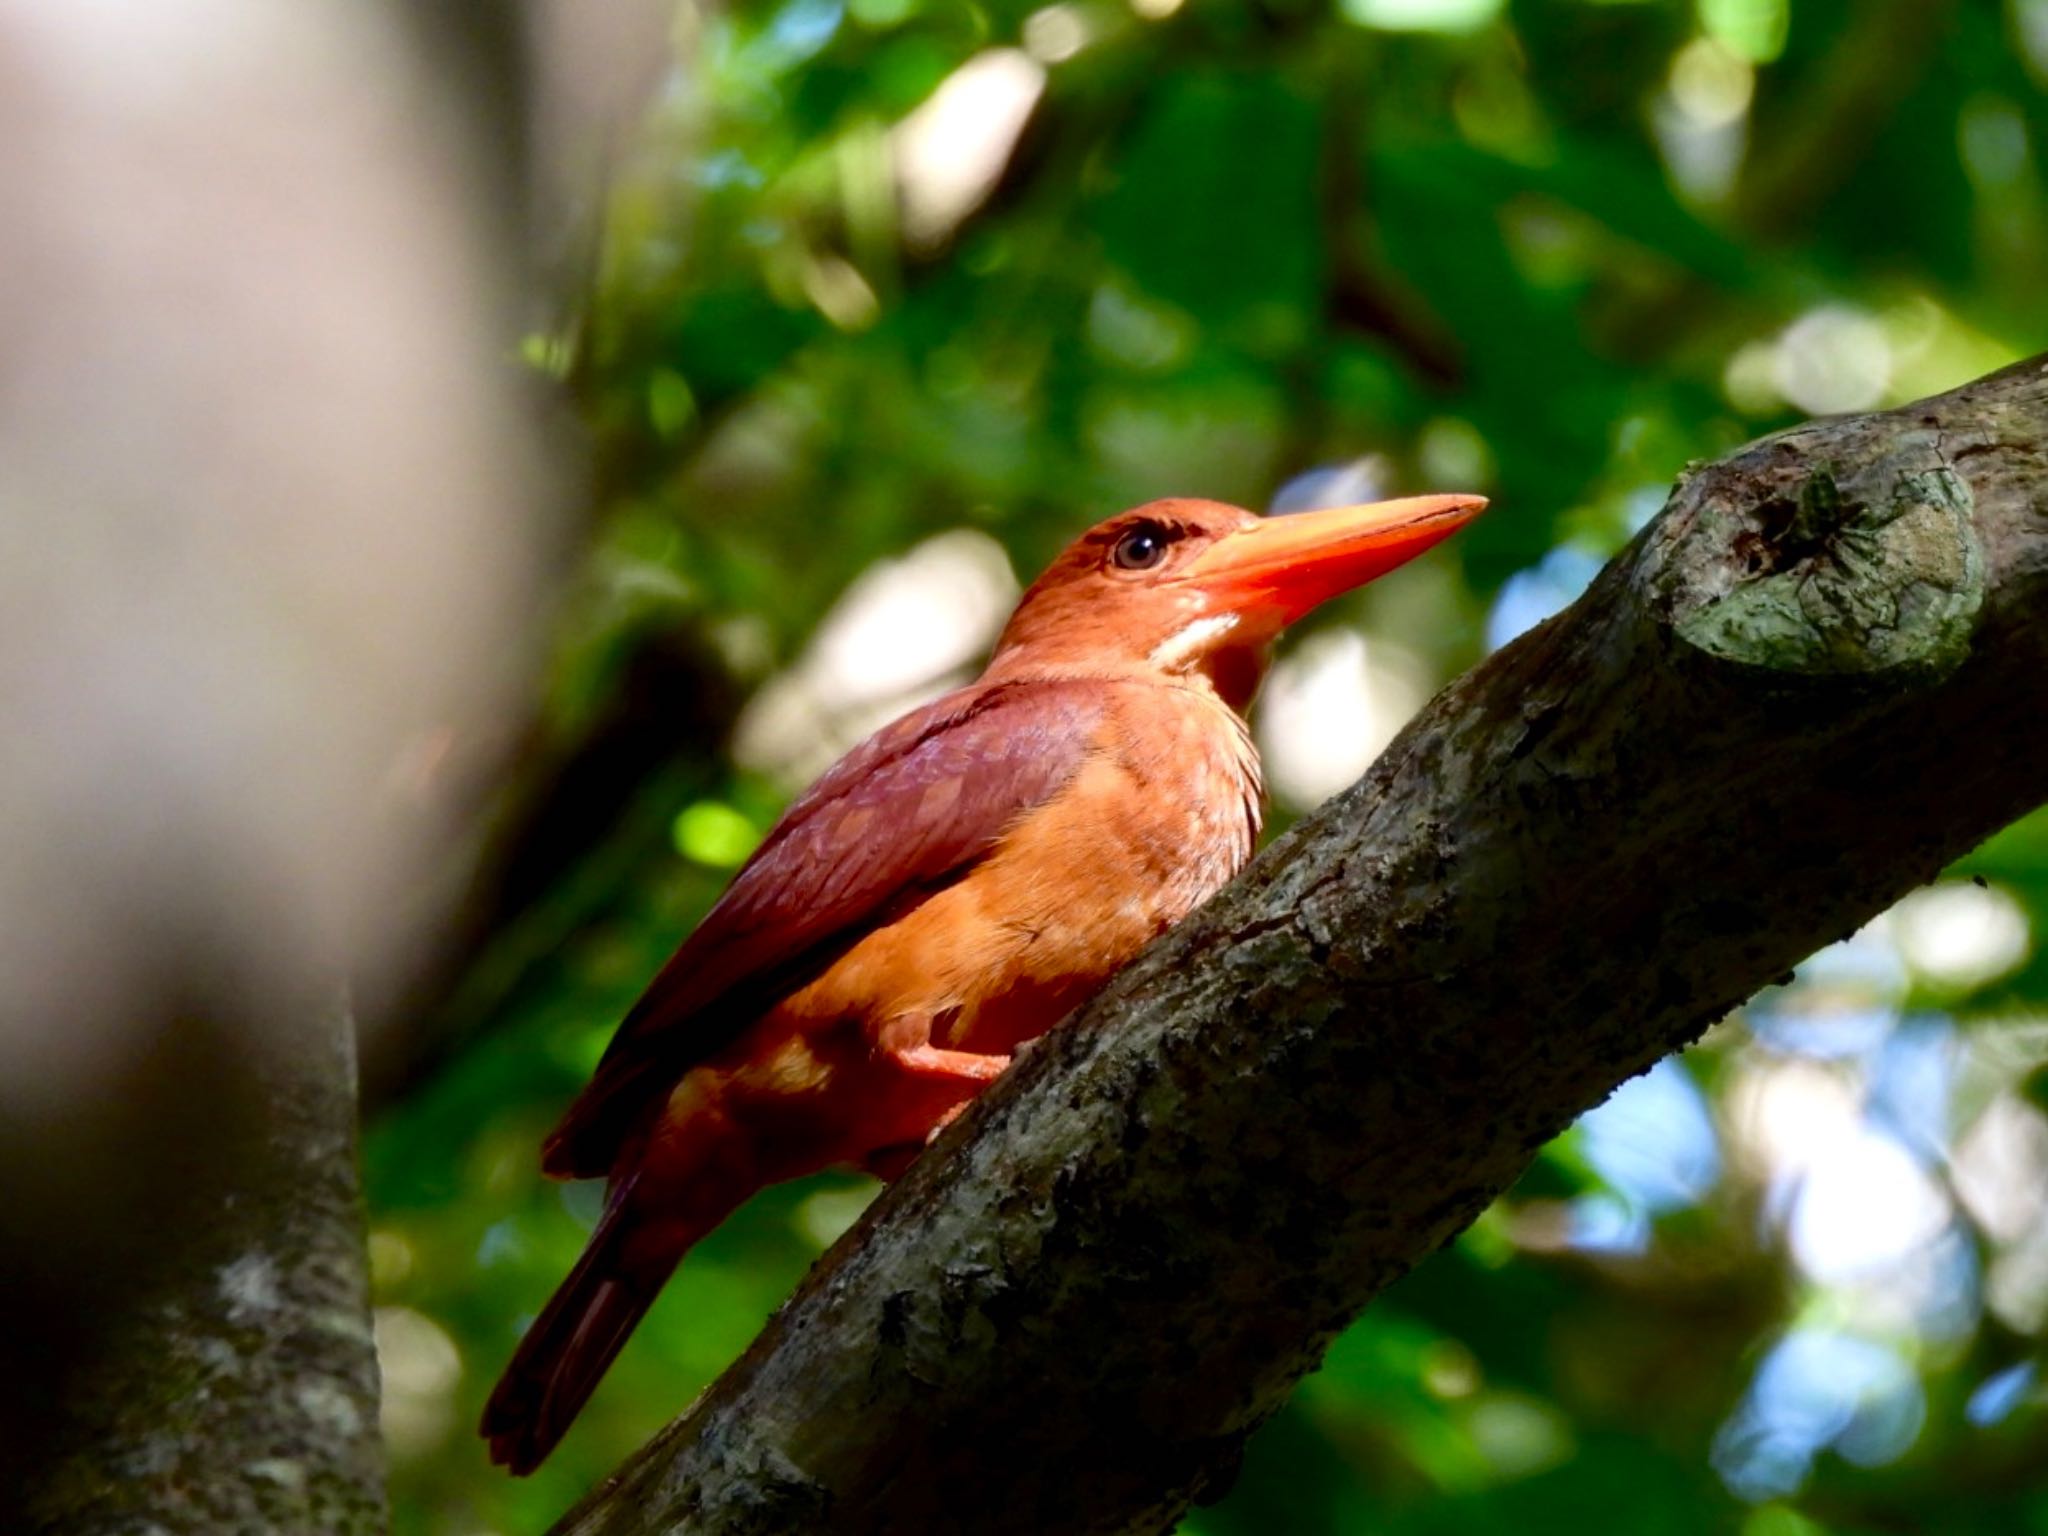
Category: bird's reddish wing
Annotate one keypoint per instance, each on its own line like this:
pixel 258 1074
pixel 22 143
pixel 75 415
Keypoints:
pixel 901 815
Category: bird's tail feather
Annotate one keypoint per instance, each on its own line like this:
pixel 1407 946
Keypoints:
pixel 577 1336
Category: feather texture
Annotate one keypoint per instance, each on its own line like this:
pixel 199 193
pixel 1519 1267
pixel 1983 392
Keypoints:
pixel 909 810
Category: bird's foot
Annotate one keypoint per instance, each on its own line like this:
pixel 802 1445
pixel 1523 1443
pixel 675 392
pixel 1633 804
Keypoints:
pixel 952 1066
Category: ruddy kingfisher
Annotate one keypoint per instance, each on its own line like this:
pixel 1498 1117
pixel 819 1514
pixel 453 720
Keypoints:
pixel 952 887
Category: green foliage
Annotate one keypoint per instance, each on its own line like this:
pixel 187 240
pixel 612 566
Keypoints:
pixel 1551 250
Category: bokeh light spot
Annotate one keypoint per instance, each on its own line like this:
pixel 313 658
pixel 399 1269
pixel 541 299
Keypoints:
pixel 1421 15
pixel 714 834
pixel 1961 935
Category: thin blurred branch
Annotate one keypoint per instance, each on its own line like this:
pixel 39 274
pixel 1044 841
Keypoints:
pixel 665 724
pixel 1361 295
pixel 559 92
pixel 1798 158
pixel 1813 681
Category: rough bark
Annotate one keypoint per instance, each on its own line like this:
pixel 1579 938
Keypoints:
pixel 231 1382
pixel 1810 683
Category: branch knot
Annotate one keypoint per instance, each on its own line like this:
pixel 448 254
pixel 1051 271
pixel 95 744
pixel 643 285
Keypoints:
pixel 1881 574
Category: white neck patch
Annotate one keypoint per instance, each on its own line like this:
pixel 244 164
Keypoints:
pixel 1190 638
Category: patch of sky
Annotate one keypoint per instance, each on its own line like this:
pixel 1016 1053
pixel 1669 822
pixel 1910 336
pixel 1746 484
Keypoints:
pixel 1606 1223
pixel 1843 1003
pixel 1345 484
pixel 1944 1286
pixel 1862 1210
pixel 1530 596
pixel 501 1241
pixel 1642 504
pixel 1912 1077
pixel 1818 1390
pixel 725 168
pixel 1997 1396
pixel 1653 1141
pixel 798 31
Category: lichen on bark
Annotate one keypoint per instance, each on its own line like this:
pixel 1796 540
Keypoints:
pixel 1875 572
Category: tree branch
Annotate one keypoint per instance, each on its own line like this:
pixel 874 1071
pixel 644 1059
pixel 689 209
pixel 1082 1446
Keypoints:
pixel 1812 682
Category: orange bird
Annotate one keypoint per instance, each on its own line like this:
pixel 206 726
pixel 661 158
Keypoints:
pixel 951 888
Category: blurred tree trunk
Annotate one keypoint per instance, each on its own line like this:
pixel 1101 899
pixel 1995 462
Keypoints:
pixel 273 503
pixel 1817 678
pixel 229 1383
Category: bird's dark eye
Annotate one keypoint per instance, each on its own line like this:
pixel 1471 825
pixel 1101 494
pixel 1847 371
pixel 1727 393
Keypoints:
pixel 1142 548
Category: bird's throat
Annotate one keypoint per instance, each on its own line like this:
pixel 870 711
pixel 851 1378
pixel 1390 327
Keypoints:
pixel 1235 672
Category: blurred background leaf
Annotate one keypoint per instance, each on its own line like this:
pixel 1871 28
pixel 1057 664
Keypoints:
pixel 893 296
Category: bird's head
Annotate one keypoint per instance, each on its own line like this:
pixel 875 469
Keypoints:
pixel 1198 589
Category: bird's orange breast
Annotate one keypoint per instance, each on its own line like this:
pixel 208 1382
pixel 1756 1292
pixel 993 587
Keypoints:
pixel 1163 811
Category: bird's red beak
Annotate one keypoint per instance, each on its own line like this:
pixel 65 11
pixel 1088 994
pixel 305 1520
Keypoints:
pixel 1287 565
